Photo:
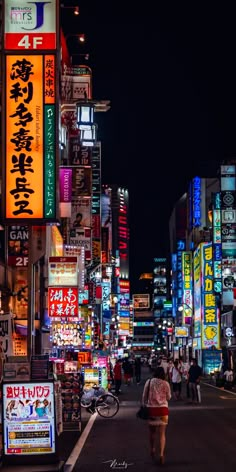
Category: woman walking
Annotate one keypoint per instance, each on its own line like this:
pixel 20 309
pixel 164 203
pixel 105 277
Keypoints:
pixel 176 377
pixel 156 395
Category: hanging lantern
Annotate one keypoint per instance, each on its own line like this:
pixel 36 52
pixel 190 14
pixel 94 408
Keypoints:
pixel 88 135
pixel 85 113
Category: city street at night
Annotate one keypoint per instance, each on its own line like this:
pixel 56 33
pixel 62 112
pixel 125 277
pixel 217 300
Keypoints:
pixel 199 437
pixel 117 237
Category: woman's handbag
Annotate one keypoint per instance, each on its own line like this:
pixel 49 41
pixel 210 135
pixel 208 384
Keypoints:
pixel 142 413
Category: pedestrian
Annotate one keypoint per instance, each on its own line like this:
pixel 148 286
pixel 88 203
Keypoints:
pixel 164 364
pixel 194 376
pixel 186 367
pixel 117 373
pixel 128 371
pixel 176 378
pixel 137 369
pixel 229 377
pixel 169 369
pixel 158 396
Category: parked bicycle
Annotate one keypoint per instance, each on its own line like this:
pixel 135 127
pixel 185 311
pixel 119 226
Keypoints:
pixel 106 404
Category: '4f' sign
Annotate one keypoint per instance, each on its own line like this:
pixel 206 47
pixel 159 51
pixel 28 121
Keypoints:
pixel 30 42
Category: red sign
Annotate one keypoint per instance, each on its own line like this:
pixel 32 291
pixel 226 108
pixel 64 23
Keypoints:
pixel 63 301
pixel 30 41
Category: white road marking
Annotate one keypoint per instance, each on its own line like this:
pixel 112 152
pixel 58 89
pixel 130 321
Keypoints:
pixel 73 457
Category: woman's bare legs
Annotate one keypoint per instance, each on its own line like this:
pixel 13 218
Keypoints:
pixel 162 441
pixel 152 439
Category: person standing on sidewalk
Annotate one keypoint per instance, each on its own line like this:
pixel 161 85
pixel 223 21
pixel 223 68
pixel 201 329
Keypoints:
pixel 137 369
pixel 194 376
pixel 229 377
pixel 176 379
pixel 128 371
pixel 117 373
pixel 156 396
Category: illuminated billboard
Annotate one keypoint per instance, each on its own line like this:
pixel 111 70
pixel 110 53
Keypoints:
pixel 197 291
pixel 210 315
pixel 62 271
pixel 63 301
pixel 28 418
pixel 187 287
pixel 181 331
pixel 30 167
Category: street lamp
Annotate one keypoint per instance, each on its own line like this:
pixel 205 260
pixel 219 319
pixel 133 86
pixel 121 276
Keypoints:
pixel 85 113
pixel 85 121
pixel 76 9
pixel 88 135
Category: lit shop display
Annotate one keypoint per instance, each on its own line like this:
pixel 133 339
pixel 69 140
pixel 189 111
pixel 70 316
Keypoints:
pixel 68 374
pixel 102 364
pixel 91 376
pixel 28 418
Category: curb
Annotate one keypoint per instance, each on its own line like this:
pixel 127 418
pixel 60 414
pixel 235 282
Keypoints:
pixel 219 388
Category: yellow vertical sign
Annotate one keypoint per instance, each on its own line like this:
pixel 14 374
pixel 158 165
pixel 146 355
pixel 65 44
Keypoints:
pixel 24 137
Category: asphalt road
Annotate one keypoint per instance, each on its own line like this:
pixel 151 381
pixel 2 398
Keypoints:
pixel 200 438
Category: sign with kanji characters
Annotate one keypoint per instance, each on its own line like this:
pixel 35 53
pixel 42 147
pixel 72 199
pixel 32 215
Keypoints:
pixel 6 345
pixel 30 25
pixel 210 315
pixel 187 287
pixel 28 418
pixel 63 301
pixel 30 189
pixel 62 271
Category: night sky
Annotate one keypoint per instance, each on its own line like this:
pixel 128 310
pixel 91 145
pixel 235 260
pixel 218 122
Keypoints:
pixel 169 73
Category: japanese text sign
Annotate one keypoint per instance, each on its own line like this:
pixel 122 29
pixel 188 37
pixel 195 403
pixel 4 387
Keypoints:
pixel 63 271
pixel 210 321
pixel 63 301
pixel 30 137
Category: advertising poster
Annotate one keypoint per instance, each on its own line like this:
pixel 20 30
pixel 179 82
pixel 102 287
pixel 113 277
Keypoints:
pixel 81 213
pixel 91 377
pixel 28 418
pixel 66 335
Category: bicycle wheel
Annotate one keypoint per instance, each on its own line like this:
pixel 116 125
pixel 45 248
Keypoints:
pixel 107 405
pixel 85 401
